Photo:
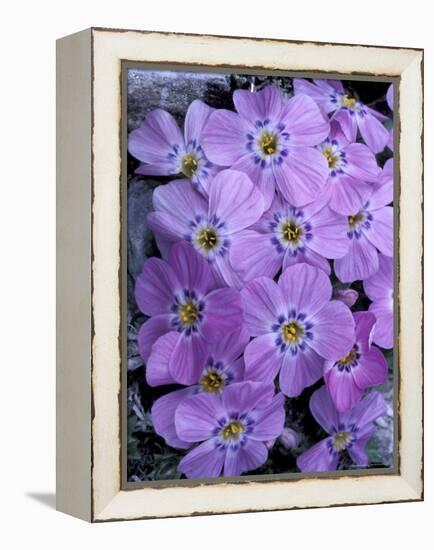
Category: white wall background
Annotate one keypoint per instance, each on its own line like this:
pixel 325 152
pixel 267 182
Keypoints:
pixel 27 224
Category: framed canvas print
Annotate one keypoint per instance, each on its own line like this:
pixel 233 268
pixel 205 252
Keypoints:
pixel 239 275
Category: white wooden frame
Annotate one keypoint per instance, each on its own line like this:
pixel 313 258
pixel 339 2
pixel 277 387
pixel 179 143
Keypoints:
pixel 89 218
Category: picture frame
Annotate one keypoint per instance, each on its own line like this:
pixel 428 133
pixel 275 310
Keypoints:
pixel 91 244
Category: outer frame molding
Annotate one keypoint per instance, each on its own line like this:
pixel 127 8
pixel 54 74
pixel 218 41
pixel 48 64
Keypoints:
pixel 89 104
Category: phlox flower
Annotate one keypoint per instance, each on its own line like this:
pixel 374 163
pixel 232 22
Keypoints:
pixel 286 235
pixel 349 432
pixel 231 429
pixel 272 140
pixel 352 171
pixel 368 229
pixel 350 113
pixel 211 225
pixel 296 326
pixel 159 144
pixel 223 365
pixel 379 289
pixel 175 295
pixel 362 367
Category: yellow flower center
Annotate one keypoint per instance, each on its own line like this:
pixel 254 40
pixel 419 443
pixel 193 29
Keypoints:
pixel 341 440
pixel 331 158
pixel 268 143
pixel 189 165
pixel 349 358
pixel 347 101
pixel 354 220
pixel 212 382
pixel 233 430
pixel 292 332
pixel 291 232
pixel 188 313
pixel 207 238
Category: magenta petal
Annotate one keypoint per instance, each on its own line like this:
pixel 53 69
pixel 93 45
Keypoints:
pixel 300 371
pixel 205 460
pixel 302 177
pixel 163 416
pixel 155 287
pixel 195 120
pixel 223 137
pixel 263 358
pixel 318 458
pixel 250 456
pixel 157 368
pixel 304 121
pixel 365 323
pixel 242 397
pixel 342 388
pixel 333 331
pixel 371 370
pixel 263 303
pixel 235 200
pixel 269 420
pixel 149 333
pixel 360 262
pixel 155 137
pixel 374 134
pixel 348 195
pixel 305 288
pixel 190 267
pixel 347 123
pixel 223 313
pixel 362 164
pixel 265 104
pixel 253 255
pixel 381 233
pixel 324 411
pixel 188 358
pixel 197 417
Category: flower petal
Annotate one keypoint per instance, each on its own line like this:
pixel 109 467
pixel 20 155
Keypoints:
pixel 374 134
pixel 149 333
pixel 234 200
pixel 318 458
pixel 155 287
pixel 347 194
pixel 305 288
pixel 383 332
pixel 265 104
pixel 163 416
pixel 379 286
pixel 157 368
pixel 381 233
pixel 333 330
pixel 342 388
pixel 224 137
pixel 231 346
pixel 179 200
pixel 263 304
pixel 262 358
pixel 347 122
pixel 253 255
pixel 242 397
pixel 223 313
pixel 329 234
pixel 362 164
pixel 188 358
pixel 371 370
pixel 368 410
pixel 245 458
pixel 304 121
pixel 269 420
pixel 205 460
pixel 324 411
pixel 360 262
pixel 190 267
pixel 197 115
pixel 300 371
pixel 197 417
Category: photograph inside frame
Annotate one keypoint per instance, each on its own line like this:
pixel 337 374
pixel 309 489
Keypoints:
pixel 258 263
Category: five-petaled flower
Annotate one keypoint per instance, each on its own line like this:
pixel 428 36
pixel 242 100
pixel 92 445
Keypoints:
pixel 348 111
pixel 272 140
pixel 176 295
pixel 232 429
pixel 296 326
pixel 210 225
pixel 349 432
pixel 222 366
pixel 159 144
pixel 362 367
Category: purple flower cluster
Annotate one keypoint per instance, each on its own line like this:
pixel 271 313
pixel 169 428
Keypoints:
pixel 281 208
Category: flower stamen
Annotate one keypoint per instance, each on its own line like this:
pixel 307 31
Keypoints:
pixel 341 440
pixel 355 220
pixel 291 232
pixel 347 101
pixel 189 165
pixel 292 332
pixel 212 382
pixel 188 313
pixel 268 143
pixel 233 430
pixel 207 238
pixel 331 158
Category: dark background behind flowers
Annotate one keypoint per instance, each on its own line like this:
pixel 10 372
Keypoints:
pixel 148 456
